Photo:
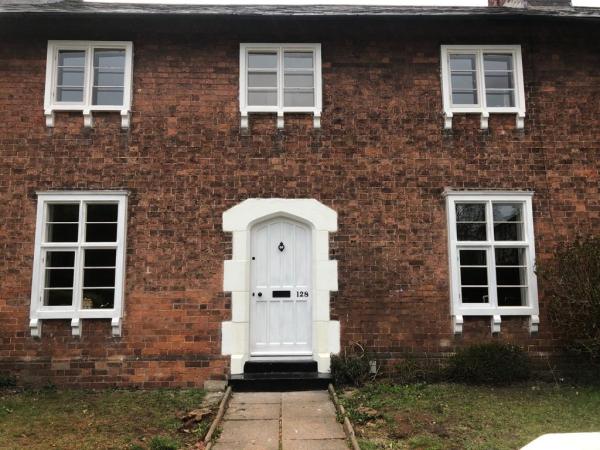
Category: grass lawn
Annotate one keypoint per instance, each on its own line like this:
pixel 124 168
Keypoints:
pixel 450 416
pixel 78 419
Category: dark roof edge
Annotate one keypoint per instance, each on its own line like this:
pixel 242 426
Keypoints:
pixel 76 7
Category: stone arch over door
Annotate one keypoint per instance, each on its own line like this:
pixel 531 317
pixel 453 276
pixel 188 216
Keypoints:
pixel 239 220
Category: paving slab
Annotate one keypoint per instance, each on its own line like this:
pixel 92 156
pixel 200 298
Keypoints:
pixel 304 396
pixel 312 444
pixel 308 409
pixel 312 428
pixel 256 397
pixel 244 446
pixel 254 411
pixel 264 432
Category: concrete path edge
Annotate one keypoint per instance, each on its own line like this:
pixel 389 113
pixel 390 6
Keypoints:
pixel 348 428
pixel 215 424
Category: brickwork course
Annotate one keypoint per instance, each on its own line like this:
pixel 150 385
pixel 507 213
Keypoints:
pixel 381 160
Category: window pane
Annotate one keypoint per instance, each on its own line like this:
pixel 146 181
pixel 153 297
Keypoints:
pixel 464 98
pixel 470 212
pixel 68 212
pixel 299 99
pixel 298 60
pixel 107 96
pixel 71 58
pixel 108 77
pixel 102 212
pixel 262 80
pixel 473 276
pixel 508 231
pixel 70 77
pixel 262 98
pixel 100 258
pixel 58 297
pixel 69 94
pixel 474 295
pixel 470 222
pixel 497 62
pixel 98 278
pixel 510 257
pixel 299 80
pixel 464 81
pixel 59 232
pixel 60 259
pixel 511 276
pixel 56 278
pixel 264 60
pixel 499 81
pixel 101 232
pixel 471 231
pixel 462 62
pixel 473 258
pixel 512 296
pixel 508 212
pixel 500 99
pixel 98 299
pixel 113 58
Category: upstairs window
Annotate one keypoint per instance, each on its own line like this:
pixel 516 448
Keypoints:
pixel 492 254
pixel 79 257
pixel 280 78
pixel 88 76
pixel 483 80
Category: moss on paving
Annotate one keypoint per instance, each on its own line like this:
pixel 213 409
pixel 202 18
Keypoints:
pixel 452 416
pixel 83 419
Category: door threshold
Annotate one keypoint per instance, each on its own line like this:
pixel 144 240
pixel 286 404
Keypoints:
pixel 265 358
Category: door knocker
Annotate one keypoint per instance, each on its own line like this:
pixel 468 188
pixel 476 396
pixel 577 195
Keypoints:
pixel 281 247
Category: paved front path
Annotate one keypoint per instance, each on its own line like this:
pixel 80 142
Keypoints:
pixel 295 420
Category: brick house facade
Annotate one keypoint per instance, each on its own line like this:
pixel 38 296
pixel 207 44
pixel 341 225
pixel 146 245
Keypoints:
pixel 381 161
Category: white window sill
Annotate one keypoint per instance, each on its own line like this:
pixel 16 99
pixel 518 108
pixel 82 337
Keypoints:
pixel 35 323
pixel 485 115
pixel 245 122
pixel 88 120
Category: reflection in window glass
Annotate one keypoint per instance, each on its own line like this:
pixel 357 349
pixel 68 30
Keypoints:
pixel 471 222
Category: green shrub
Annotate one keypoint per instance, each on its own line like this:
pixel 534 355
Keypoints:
pixel 351 367
pixel 492 364
pixel 163 443
pixel 418 370
pixel 7 381
pixel 571 280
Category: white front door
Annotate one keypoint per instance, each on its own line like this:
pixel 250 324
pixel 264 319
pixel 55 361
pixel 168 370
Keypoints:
pixel 281 293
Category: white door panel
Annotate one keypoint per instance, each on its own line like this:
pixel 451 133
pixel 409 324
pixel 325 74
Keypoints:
pixel 281 291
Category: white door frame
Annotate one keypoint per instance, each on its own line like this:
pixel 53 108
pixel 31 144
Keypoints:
pixel 322 220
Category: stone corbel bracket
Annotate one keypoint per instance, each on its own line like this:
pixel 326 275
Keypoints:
pixel 76 326
pixel 495 323
pixel 245 121
pixel 534 324
pixel 457 324
pixel 35 327
pixel 116 325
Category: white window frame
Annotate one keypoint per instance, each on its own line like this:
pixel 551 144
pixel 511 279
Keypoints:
pixel 482 108
pixel 75 312
pixel 459 309
pixel 280 110
pixel 86 106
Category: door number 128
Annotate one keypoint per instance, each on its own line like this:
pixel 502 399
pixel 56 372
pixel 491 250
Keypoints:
pixel 301 294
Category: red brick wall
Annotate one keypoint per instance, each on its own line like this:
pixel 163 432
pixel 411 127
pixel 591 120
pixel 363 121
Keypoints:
pixel 381 160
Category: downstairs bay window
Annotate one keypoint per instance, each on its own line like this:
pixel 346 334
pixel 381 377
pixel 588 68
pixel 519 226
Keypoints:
pixel 492 256
pixel 79 258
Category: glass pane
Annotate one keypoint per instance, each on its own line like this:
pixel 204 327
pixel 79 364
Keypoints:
pixel 108 77
pixel 298 99
pixel 511 276
pixel 69 94
pixel 500 99
pixel 69 77
pixel 464 81
pixel 113 58
pixel 57 278
pixel 474 295
pixel 60 232
pixel 60 259
pixel 262 80
pixel 71 58
pixel 473 276
pixel 101 232
pixel 510 257
pixel 100 258
pixel 107 96
pixel 298 60
pixel 508 231
pixel 63 212
pixel 464 98
pixel 462 62
pixel 508 212
pixel 470 212
pixel 98 299
pixel 262 98
pixel 512 296
pixel 499 81
pixel 98 278
pixel 101 212
pixel 471 231
pixel 497 61
pixel 266 60
pixel 58 297
pixel 299 80
pixel 473 258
